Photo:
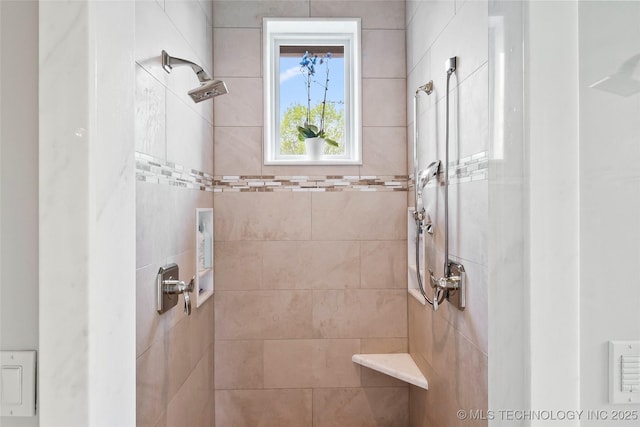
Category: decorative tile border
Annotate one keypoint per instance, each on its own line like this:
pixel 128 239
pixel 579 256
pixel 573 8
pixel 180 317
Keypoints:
pixel 154 170
pixel 310 183
pixel 466 169
pixel 470 168
pixel 157 171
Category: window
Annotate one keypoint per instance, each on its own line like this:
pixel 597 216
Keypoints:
pixel 312 81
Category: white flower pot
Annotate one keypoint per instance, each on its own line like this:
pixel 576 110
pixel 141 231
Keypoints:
pixel 315 147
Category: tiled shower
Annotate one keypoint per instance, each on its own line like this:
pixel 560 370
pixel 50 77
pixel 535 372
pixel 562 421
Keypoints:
pixel 310 261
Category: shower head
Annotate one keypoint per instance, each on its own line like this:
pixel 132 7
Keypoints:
pixel 426 175
pixel 208 87
pixel 427 88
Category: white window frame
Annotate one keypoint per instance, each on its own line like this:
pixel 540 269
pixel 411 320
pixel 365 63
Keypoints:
pixel 310 32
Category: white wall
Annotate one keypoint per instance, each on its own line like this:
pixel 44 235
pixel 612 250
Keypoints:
pixel 509 379
pixel 19 181
pixel 609 196
pixel 87 214
pixel 580 190
pixel 551 102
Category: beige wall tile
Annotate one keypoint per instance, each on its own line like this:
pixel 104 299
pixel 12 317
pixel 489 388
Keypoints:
pixel 310 170
pixel 384 151
pixel 150 123
pixel 359 216
pixel 383 102
pixel 310 363
pixel 361 407
pixel 239 364
pixel 189 136
pixel 162 421
pixel 264 408
pixel 249 14
pixel 371 378
pixel 151 246
pixel 263 314
pixel 151 388
pixel 417 408
pixel 201 333
pixel 238 150
pixel 150 326
pixel 360 313
pixel 191 20
pixel 383 53
pixel 420 333
pixel 473 321
pixel 383 345
pixel 238 265
pixel 311 265
pixel 237 52
pixel 262 216
pixel 190 401
pixel 465 36
pixel 472 373
pixel 242 106
pixel 289 363
pixel 374 14
pixel 177 366
pixel 384 264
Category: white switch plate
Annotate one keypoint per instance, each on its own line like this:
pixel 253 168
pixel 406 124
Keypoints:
pixel 18 388
pixel 621 392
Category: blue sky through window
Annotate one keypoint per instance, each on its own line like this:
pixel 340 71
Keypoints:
pixel 293 88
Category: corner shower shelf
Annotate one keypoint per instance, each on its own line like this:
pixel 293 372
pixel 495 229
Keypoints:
pixel 397 365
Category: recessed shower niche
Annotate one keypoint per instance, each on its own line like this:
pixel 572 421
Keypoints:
pixel 204 255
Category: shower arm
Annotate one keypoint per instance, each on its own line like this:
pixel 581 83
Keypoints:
pixel 168 62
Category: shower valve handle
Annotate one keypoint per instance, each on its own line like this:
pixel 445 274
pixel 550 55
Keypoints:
pixel 179 287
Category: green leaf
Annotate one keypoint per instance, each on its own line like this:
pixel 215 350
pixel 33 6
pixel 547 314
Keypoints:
pixel 305 132
pixel 331 142
pixel 313 128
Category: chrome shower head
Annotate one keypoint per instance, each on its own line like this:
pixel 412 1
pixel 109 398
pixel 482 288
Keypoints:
pixel 207 90
pixel 426 175
pixel 208 87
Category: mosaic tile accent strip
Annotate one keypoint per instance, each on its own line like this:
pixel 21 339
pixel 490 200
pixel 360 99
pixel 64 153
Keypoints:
pixel 467 169
pixel 310 183
pixel 470 168
pixel 154 170
pixel 158 171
